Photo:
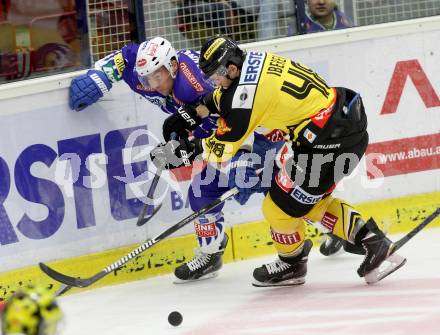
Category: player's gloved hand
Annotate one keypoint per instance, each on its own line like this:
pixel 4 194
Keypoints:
pixel 181 122
pixel 86 89
pixel 242 174
pixel 175 154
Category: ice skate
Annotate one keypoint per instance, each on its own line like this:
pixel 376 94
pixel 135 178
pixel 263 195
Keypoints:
pixel 284 271
pixel 380 259
pixel 331 245
pixel 202 266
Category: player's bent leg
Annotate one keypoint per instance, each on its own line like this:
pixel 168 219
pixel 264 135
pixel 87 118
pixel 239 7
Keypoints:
pixel 210 234
pixel 380 259
pixel 331 245
pixel 288 235
pixel 362 237
pixel 208 258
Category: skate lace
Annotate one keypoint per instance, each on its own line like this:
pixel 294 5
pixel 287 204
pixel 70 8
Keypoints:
pixel 199 260
pixel 277 266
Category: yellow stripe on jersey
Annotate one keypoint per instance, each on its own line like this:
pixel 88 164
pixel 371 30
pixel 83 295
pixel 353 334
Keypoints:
pixel 216 96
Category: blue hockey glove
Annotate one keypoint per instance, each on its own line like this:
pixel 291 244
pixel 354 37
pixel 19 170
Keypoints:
pixel 243 175
pixel 87 89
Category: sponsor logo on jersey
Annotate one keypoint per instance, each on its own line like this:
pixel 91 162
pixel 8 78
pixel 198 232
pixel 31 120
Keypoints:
pixel 141 62
pixel 322 117
pixel 252 68
pixel 285 238
pixel 329 221
pixel 222 127
pixel 327 146
pixel 276 135
pixel 119 62
pixel 309 135
pixel 191 77
pixel 213 47
pixel 283 180
pixel 205 230
pixel 303 197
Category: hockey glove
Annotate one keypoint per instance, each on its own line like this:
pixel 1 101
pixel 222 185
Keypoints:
pixel 175 154
pixel 243 175
pixel 181 122
pixel 86 89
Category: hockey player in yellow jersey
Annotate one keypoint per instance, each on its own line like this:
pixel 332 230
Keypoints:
pixel 326 136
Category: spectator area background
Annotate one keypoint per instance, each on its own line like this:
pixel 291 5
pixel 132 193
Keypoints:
pixel 110 24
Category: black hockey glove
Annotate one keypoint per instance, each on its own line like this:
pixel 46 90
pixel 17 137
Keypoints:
pixel 181 122
pixel 175 154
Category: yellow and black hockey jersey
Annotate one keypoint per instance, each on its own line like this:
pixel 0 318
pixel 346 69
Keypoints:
pixel 272 92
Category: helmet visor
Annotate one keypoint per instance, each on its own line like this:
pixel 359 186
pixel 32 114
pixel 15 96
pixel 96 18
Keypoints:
pixel 221 71
pixel 154 80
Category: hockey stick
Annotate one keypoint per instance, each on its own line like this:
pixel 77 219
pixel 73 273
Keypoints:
pixel 78 282
pixel 412 233
pixel 142 219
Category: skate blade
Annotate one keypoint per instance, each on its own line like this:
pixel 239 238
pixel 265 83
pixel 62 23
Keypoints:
pixel 387 267
pixel 290 282
pixel 207 276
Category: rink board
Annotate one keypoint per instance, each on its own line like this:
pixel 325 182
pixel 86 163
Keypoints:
pixel 55 210
pixel 248 240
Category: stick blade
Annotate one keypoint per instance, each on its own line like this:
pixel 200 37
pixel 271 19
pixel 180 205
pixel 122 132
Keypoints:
pixel 143 221
pixel 67 280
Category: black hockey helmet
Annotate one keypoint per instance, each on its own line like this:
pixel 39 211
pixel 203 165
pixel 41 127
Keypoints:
pixel 217 51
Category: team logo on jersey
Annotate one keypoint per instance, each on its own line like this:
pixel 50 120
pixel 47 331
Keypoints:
pixel 222 127
pixel 191 78
pixel 309 135
pixel 322 117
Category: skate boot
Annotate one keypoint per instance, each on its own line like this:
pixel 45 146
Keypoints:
pixel 331 245
pixel 380 259
pixel 202 266
pixel 285 271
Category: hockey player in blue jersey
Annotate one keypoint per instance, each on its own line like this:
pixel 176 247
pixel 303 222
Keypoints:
pixel 173 81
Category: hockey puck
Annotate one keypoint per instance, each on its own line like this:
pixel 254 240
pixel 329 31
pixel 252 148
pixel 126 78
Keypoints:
pixel 175 318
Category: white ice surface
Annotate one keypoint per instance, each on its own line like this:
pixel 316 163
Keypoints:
pixel 334 301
